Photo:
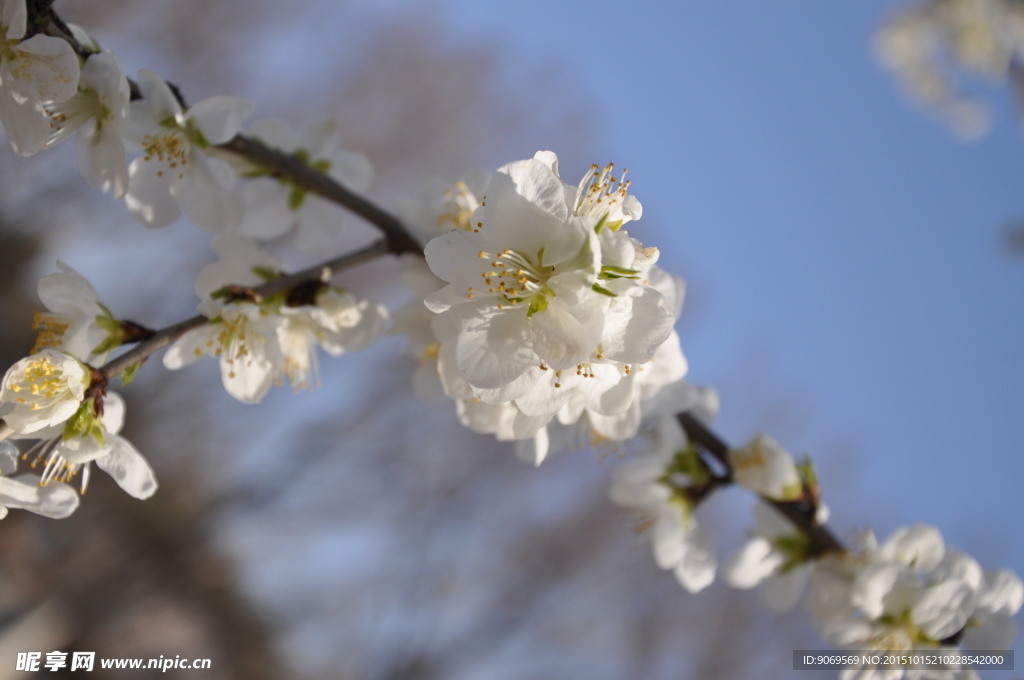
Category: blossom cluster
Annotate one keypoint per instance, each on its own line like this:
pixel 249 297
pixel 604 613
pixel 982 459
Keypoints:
pixel 141 143
pixel 549 323
pixel 923 43
pixel 909 593
pixel 262 340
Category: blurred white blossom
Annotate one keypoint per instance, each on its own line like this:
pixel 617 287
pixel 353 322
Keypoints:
pixel 275 204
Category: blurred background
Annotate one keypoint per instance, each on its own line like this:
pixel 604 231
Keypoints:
pixel 854 289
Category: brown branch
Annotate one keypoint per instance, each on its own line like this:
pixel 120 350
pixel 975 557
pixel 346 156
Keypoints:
pixel 799 513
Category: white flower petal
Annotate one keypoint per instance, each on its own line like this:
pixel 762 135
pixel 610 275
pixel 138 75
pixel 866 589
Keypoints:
pixel 47 69
pixel 149 196
pixel 696 568
pixel 128 468
pixel 219 118
pixel 209 195
pixel 755 561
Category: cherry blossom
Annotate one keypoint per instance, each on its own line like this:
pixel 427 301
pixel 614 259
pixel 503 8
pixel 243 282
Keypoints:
pixel 43 390
pixel 32 72
pixel 78 323
pixel 173 173
pixel 259 340
pixel 661 486
pixel 778 557
pixel 764 467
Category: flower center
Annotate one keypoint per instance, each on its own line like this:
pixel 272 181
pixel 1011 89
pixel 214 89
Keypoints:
pixel 515 277
pixel 169 148
pixel 603 193
pixel 41 379
pixel 459 205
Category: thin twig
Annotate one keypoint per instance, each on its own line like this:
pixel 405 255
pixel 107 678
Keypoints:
pixel 166 336
pixel 799 513
pixel 283 165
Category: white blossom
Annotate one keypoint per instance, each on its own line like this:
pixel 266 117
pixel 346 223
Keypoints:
pixel 275 204
pixel 656 485
pixel 926 44
pixel 336 321
pixel 537 289
pixel 442 205
pixel 99 112
pixel 23 492
pixel 991 626
pixel 777 557
pixel 910 593
pixel 258 341
pixel 765 468
pixel 32 72
pixel 78 323
pixel 173 173
pixel 43 390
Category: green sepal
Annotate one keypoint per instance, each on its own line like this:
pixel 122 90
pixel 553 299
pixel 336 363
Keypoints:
pixel 621 271
pixel 538 303
pixel 295 197
pixel 128 374
pixel 115 333
pixel 809 476
pixel 266 273
pixel 540 257
pixel 603 291
pixel 688 463
pixel 615 226
pixel 797 549
pixel 323 166
pixel 83 422
pixel 600 224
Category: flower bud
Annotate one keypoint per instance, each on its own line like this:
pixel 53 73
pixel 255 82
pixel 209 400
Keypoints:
pixel 766 468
